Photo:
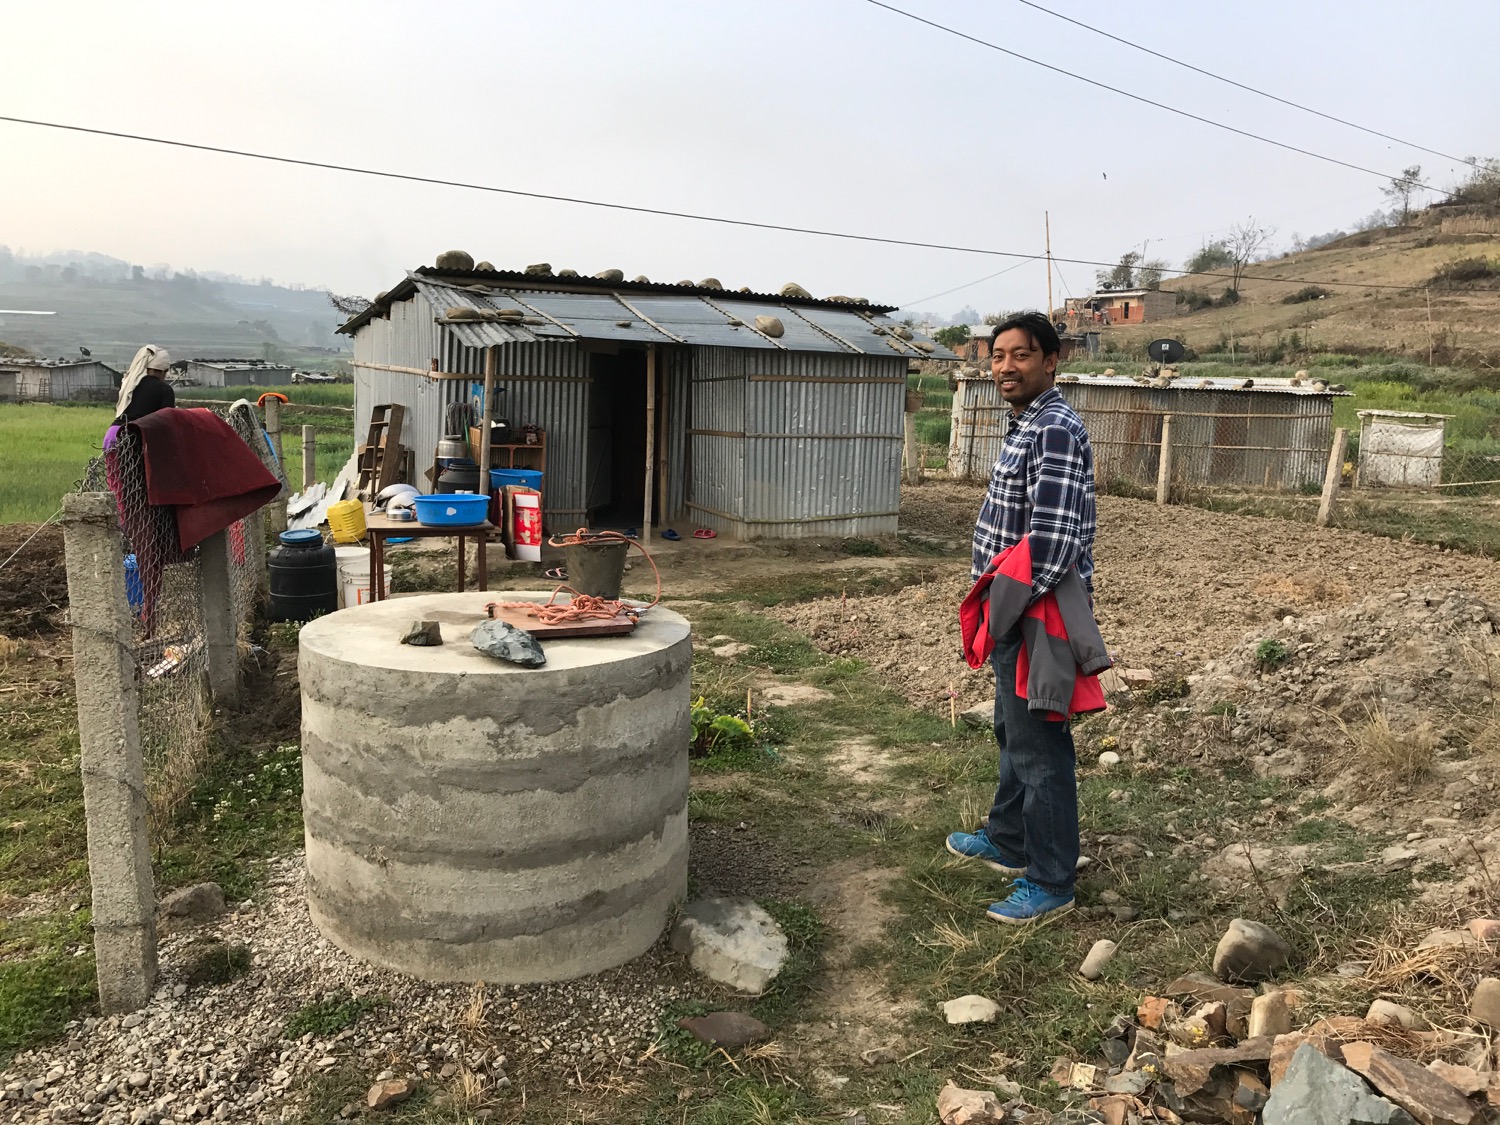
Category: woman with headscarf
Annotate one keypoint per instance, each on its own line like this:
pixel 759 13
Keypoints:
pixel 144 389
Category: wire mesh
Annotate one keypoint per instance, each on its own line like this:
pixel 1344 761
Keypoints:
pixel 165 589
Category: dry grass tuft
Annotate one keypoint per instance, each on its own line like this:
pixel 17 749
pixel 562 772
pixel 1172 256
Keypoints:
pixel 1378 748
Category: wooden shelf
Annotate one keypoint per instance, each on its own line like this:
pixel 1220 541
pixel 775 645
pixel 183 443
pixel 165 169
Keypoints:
pixel 513 455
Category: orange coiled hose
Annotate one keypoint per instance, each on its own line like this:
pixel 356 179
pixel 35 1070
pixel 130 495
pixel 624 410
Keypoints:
pixel 584 607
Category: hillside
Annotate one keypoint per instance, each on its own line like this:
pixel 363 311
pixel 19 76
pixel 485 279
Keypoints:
pixel 112 311
pixel 1464 329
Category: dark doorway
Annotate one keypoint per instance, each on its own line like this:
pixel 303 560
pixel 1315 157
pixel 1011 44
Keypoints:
pixel 617 440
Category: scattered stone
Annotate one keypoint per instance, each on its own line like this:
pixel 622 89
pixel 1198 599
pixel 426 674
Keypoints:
pixel 1485 929
pixel 1128 1082
pixel 1098 957
pixel 1318 1091
pixel 725 1029
pixel 880 1056
pixel 539 269
pixel 792 289
pixel 1191 1070
pixel 1385 1013
pixel 1427 1097
pixel 193 906
pixel 1286 1046
pixel 1153 1011
pixel 732 941
pixel 1484 1005
pixel 1136 677
pixel 1398 856
pixel 613 277
pixel 1269 1016
pixel 1465 1079
pixel 1250 950
pixel 504 641
pixel 770 326
pixel 383 1095
pixel 971 1009
pixel 488 267
pixel 1445 939
pixel 1146 1053
pixel 1109 759
pixel 980 717
pixel 424 633
pixel 455 260
pixel 1250 1093
pixel 1125 913
pixel 957 1106
pixel 710 283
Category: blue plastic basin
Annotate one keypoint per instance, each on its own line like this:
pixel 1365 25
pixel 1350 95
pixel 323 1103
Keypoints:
pixel 454 509
pixel 527 478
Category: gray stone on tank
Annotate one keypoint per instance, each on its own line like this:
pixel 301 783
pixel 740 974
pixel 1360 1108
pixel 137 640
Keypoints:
pixel 504 641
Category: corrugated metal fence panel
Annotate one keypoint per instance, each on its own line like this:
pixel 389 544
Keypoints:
pixel 677 370
pixel 716 442
pixel 823 444
pixel 407 338
pixel 1219 436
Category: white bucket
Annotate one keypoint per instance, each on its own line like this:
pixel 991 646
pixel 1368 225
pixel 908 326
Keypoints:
pixel 354 575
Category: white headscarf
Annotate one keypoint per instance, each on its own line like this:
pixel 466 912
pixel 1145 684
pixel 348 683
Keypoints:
pixel 149 358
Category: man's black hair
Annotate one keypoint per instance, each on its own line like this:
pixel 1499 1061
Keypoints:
pixel 1034 324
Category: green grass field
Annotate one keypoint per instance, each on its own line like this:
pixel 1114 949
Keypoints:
pixel 44 448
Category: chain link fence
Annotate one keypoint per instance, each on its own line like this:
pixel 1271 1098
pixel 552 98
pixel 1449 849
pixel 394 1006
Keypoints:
pixel 165 589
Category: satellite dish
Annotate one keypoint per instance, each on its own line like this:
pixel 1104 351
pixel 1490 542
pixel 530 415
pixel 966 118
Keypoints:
pixel 1061 326
pixel 1165 351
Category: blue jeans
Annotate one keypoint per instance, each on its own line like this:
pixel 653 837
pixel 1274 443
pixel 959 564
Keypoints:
pixel 1035 814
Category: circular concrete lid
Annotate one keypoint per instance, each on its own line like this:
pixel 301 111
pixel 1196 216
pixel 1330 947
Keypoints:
pixel 370 635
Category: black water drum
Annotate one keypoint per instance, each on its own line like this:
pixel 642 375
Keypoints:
pixel 304 577
pixel 461 475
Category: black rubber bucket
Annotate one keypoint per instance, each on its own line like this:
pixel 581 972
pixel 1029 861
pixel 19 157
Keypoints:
pixel 598 568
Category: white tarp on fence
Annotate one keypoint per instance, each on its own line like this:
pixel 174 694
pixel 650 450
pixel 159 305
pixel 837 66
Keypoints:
pixel 1398 449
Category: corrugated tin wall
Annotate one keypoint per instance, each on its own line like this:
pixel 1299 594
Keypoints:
pixel 1259 439
pixel 789 445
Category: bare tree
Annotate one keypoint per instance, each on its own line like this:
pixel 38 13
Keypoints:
pixel 1245 240
pixel 1402 188
pixel 348 305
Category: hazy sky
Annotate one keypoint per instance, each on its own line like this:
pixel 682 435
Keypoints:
pixel 815 113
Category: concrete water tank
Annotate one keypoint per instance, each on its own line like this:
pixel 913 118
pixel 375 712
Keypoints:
pixel 467 819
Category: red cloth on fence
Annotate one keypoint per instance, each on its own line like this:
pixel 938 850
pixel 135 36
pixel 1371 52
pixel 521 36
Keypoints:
pixel 197 464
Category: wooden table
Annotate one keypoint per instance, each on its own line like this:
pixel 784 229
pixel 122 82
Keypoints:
pixel 381 527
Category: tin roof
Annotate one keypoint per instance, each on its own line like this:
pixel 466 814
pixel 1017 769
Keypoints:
pixel 1188 382
pixel 554 308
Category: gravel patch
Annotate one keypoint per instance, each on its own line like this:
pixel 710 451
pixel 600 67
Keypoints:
pixel 220 1052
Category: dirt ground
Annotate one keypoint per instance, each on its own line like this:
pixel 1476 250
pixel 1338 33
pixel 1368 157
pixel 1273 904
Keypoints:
pixel 1174 588
pixel 34 584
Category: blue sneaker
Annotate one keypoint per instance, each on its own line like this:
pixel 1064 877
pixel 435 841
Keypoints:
pixel 976 845
pixel 1029 903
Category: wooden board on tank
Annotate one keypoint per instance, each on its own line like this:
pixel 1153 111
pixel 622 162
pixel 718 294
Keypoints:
pixel 614 627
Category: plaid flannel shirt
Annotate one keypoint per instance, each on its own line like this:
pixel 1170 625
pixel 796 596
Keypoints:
pixel 1042 487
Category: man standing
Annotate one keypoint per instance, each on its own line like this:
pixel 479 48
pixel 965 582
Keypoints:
pixel 1042 489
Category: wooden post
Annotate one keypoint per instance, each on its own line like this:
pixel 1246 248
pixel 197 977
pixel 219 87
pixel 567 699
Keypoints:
pixel 650 440
pixel 1333 476
pixel 273 434
pixel 1164 462
pixel 309 457
pixel 485 422
pixel 913 454
pixel 109 740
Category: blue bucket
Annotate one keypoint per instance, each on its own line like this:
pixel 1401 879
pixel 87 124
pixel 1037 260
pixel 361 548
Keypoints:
pixel 527 478
pixel 135 591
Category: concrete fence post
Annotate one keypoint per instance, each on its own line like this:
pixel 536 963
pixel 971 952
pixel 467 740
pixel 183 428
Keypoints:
pixel 220 622
pixel 1164 462
pixel 1333 476
pixel 114 774
pixel 273 435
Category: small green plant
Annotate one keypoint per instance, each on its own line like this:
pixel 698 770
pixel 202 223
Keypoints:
pixel 863 548
pixel 329 1015
pixel 1271 654
pixel 714 731
pixel 217 962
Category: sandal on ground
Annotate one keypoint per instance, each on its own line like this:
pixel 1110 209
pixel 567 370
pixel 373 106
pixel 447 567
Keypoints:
pixel 705 533
pixel 557 574
pixel 670 535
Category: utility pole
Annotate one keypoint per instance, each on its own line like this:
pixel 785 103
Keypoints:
pixel 1047 219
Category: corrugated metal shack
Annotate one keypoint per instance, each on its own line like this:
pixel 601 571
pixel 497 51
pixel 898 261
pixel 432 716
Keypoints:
pixel 1262 433
pixel 237 373
pixel 737 429
pixel 39 380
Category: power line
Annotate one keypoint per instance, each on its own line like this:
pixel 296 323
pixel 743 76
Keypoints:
pixel 1241 85
pixel 976 281
pixel 631 208
pixel 1148 101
